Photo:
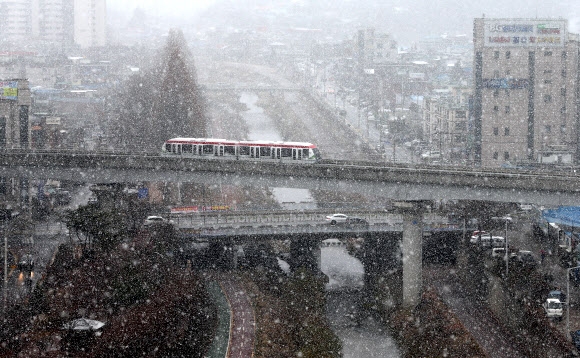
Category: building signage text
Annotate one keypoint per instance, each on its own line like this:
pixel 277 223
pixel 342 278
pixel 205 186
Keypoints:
pixel 547 33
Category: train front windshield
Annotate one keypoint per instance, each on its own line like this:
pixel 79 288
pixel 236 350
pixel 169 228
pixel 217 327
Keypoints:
pixel 316 153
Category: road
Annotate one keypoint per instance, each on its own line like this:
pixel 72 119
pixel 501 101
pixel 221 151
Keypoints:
pixel 476 318
pixel 242 324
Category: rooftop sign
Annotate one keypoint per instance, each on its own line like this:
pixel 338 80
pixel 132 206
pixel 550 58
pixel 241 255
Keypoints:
pixel 9 90
pixel 525 33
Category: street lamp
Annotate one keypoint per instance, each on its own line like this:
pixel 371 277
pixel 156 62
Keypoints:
pixel 568 298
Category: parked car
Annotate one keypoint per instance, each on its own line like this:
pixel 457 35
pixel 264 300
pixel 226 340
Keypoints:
pixel 337 219
pixel 526 257
pixel 498 252
pixel 431 155
pixel 477 234
pixel 497 241
pixel 557 294
pixel 553 308
pixel 576 338
pixel 356 222
pixel 152 220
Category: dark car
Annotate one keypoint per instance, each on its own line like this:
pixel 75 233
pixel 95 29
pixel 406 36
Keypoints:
pixel 575 338
pixel 356 222
pixel 26 263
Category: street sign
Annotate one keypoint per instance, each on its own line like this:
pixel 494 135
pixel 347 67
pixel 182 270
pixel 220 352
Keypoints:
pixel 142 193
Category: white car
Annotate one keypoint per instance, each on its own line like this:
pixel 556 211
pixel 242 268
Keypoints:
pixel 151 220
pixel 485 236
pixel 336 218
pixel 553 308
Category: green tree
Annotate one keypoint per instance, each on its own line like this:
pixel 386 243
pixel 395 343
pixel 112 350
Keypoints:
pixel 161 102
pixel 96 228
pixel 179 110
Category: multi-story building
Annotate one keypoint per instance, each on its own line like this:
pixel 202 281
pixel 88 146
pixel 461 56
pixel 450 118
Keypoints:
pixel 373 48
pixel 90 23
pixel 525 94
pixel 14 113
pixel 53 22
pixel 445 122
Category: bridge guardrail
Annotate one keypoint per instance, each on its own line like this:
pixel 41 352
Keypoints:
pixel 229 219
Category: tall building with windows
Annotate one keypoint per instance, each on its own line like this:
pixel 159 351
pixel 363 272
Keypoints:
pixel 57 22
pixel 90 23
pixel 526 84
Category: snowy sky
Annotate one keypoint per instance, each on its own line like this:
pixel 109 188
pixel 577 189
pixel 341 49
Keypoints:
pixel 164 7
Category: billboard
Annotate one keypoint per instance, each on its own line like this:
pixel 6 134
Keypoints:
pixel 525 32
pixel 9 90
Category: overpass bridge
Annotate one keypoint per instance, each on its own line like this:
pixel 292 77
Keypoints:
pixel 227 87
pixel 412 186
pixel 396 181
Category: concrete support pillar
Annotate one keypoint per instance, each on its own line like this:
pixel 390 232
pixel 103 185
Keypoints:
pixel 317 253
pixel 412 250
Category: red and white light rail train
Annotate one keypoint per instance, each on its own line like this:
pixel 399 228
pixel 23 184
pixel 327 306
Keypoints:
pixel 241 150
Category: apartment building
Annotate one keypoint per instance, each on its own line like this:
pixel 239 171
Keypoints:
pixel 525 90
pixel 446 115
pixel 64 23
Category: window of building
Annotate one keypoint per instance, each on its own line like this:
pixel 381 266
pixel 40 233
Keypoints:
pixel 564 54
pixel 496 108
pixel 507 109
pixel 495 92
pixel 506 155
pixel 495 130
pixel 563 92
pixel 496 54
pixel 547 82
pixel 460 126
pixel 507 54
pixel 546 72
pixel 548 129
pixel 496 74
pixel 564 73
pixel 506 131
pixel 495 155
pixel 563 110
pixel 563 129
pixel 547 53
pixel 547 98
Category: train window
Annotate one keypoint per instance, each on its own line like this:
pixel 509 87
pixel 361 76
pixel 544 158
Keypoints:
pixel 286 152
pixel 265 151
pixel 194 149
pixel 244 150
pixel 168 147
pixel 229 150
pixel 305 153
pixel 207 149
pixel 186 148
